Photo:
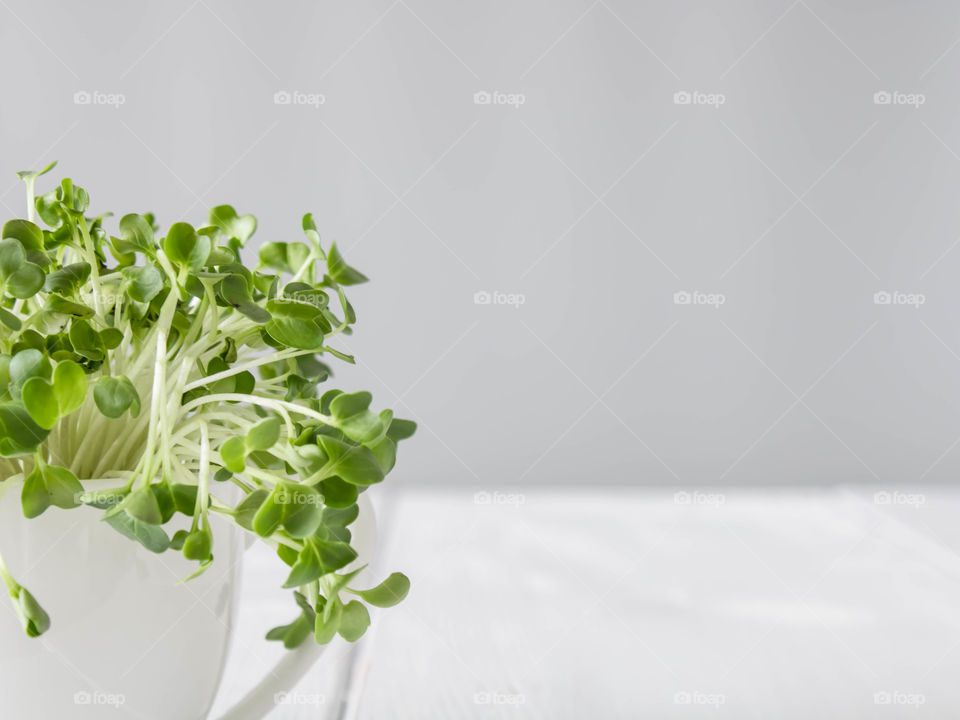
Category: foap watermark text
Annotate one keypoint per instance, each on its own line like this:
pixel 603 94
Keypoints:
pixel 895 97
pixel 896 297
pixel 297 97
pixel 695 97
pixel 96 97
pixel 495 97
pixel 895 497
pixel 695 297
pixel 496 497
pixel 484 297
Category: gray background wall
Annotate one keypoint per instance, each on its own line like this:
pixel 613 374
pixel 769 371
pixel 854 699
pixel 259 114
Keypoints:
pixel 597 199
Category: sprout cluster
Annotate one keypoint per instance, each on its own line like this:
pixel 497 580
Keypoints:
pixel 166 366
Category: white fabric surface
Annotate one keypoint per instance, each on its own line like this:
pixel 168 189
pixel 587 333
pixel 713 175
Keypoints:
pixel 620 604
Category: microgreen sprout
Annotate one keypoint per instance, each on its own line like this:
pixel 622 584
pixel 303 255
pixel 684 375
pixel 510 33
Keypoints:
pixel 166 369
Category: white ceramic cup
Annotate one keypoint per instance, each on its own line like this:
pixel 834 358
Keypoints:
pixel 125 635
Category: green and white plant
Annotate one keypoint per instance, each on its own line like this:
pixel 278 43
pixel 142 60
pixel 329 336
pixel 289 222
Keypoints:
pixel 167 367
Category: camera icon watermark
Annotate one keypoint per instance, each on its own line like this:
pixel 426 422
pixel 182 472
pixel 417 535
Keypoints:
pixel 896 297
pixel 895 97
pixel 895 497
pixel 695 297
pixel 96 97
pixel 495 97
pixel 695 97
pixel 484 297
pixel 296 97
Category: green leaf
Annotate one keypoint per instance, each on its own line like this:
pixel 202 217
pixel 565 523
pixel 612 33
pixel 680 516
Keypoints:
pixel 25 282
pixel 353 463
pixel 390 592
pixel 294 634
pixel 348 404
pixel 385 450
pixel 105 499
pixel 12 257
pixel 27 364
pixel 142 505
pixel 198 545
pixel 287 257
pixel 184 498
pixel 268 517
pixel 328 622
pixel 179 537
pixel 295 325
pixel 306 569
pixel 111 338
pixel 29 235
pixel 69 386
pixel 143 283
pixel 247 509
pixel 68 278
pixel 264 434
pixel 340 272
pixel 334 554
pixel 41 402
pixel 152 537
pixel 236 291
pixel 163 492
pixel 10 320
pixel 137 232
pixel 115 394
pixel 236 226
pixel 48 485
pixel 19 434
pixel 60 305
pixel 337 493
pixel 87 341
pixel 303 512
pixel 354 621
pixel 32 174
pixel 234 452
pixel 34 618
pixel 184 247
pixel 401 429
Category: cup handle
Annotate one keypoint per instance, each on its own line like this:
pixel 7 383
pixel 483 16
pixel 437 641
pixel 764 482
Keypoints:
pixel 291 668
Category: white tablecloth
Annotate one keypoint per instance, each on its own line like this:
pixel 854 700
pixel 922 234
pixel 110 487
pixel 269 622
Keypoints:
pixel 826 603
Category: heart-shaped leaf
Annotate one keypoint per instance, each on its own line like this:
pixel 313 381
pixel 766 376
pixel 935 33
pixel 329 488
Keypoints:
pixel 236 226
pixel 234 453
pixel 354 463
pixel 69 386
pixel 137 232
pixel 295 325
pixel 41 402
pixel 184 247
pixel 48 485
pixel 114 395
pixel 264 434
pixel 19 434
pixel 143 283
